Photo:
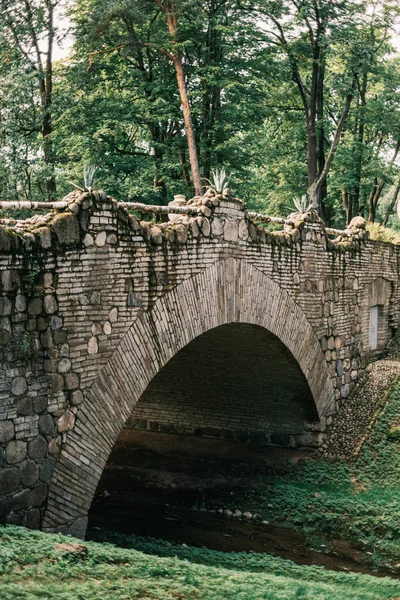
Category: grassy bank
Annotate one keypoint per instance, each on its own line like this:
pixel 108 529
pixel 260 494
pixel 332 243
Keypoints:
pixel 358 500
pixel 32 566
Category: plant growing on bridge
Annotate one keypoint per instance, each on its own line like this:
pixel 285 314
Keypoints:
pixel 88 179
pixel 220 181
pixel 302 204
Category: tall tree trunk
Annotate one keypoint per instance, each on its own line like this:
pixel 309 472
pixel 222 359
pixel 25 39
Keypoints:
pixel 392 204
pixel 169 9
pixel 377 188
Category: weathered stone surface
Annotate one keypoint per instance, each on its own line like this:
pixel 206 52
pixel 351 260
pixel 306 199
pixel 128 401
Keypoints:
pixel 25 406
pixel 44 237
pixel 231 231
pixel 22 500
pixel 46 469
pixel 29 472
pixel 66 422
pixel 76 398
pixel 5 306
pixel 5 241
pixel 6 431
pixel 93 346
pixel 46 424
pixel 217 227
pixel 15 451
pixel 9 480
pixel 50 304
pixel 55 446
pixel 64 365
pixel 31 519
pixel 55 322
pixel 39 493
pixel 19 386
pixel 37 448
pixel 72 381
pixel 66 228
pixel 101 239
pixel 310 291
pixel 35 306
pixel 6 503
pixel 243 230
pixel 113 315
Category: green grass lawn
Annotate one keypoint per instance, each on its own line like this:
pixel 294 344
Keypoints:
pixel 32 567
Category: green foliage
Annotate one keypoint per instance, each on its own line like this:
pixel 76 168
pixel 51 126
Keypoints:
pixel 394 433
pixel 31 566
pixel 383 234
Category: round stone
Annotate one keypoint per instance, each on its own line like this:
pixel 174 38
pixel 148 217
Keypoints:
pixel 50 304
pixel 25 406
pixel 22 500
pixel 112 239
pixel 107 328
pixel 15 452
pixel 72 381
pixel 113 315
pixel 57 383
pixel 93 347
pixel 5 307
pixel 96 329
pixel 35 306
pixel 88 240
pixel 55 322
pixel 101 239
pixel 29 472
pixel 46 425
pixel 64 365
pixel 6 431
pixel 4 337
pixel 18 386
pixel 76 398
pixel 5 506
pixel 9 480
pixel 37 447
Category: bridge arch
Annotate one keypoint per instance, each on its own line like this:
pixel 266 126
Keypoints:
pixel 229 291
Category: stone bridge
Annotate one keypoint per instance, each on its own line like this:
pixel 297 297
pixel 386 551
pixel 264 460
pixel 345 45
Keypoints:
pixel 208 323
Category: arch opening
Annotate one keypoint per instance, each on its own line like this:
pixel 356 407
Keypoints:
pixel 230 291
pixel 232 399
pixel 237 382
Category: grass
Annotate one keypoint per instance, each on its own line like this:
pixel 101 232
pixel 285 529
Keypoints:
pixel 31 567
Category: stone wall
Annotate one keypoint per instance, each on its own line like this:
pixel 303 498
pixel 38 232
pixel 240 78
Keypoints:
pixel 93 304
pixel 237 381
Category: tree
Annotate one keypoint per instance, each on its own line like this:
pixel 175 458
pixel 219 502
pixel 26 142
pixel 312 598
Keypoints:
pixel 27 34
pixel 307 31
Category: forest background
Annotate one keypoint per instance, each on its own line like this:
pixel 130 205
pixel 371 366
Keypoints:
pixel 291 97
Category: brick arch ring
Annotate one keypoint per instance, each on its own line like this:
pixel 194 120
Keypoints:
pixel 229 291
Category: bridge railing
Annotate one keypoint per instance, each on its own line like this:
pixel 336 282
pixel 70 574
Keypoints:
pixel 194 209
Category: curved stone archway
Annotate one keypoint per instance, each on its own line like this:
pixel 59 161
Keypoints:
pixel 229 291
